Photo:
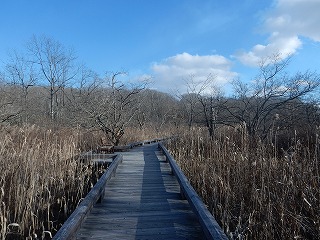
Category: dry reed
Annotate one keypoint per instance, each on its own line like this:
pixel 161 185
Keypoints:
pixel 255 191
pixel 41 181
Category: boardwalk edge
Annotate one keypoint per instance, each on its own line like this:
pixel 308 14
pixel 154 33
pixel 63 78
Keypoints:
pixel 209 225
pixel 73 223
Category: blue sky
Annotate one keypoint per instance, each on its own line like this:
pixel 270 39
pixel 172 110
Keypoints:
pixel 170 40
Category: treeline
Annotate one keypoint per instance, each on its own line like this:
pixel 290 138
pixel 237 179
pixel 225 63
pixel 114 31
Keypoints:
pixel 45 86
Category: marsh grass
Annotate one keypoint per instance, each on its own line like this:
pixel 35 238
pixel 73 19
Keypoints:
pixel 41 180
pixel 256 190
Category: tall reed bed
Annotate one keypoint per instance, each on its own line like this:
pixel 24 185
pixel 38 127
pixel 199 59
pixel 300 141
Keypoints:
pixel 41 181
pixel 256 191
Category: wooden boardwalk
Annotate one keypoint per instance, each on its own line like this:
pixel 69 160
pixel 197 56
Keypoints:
pixel 142 201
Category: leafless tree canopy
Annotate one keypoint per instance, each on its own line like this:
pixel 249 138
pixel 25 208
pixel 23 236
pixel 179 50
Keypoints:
pixel 56 65
pixel 260 103
pixel 46 86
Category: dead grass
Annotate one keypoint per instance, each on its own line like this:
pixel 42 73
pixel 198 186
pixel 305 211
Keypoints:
pixel 257 192
pixel 41 181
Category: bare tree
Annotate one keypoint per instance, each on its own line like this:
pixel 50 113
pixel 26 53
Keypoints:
pixel 259 103
pixel 209 96
pixel 83 98
pixel 190 100
pixel 56 65
pixel 110 105
pixel 21 74
pixel 157 108
pixel 119 107
pixel 9 112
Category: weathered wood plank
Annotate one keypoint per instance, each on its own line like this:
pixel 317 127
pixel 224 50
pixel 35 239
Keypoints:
pixel 71 226
pixel 142 202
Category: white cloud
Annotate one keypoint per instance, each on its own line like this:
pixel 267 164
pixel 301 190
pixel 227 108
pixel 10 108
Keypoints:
pixel 288 20
pixel 284 45
pixel 172 73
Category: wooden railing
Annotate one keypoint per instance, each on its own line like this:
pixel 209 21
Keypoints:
pixel 209 225
pixel 73 223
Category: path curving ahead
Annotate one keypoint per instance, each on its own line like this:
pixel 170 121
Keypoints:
pixel 142 201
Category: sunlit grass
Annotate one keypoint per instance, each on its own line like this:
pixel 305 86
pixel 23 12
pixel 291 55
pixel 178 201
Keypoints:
pixel 256 191
pixel 41 180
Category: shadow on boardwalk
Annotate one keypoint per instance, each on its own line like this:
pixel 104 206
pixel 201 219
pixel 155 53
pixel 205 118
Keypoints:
pixel 142 202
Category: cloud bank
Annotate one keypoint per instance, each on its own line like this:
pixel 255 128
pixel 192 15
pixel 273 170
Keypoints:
pixel 288 21
pixel 286 24
pixel 173 72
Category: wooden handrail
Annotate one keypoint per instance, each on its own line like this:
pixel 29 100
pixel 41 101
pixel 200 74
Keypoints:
pixel 73 223
pixel 209 225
